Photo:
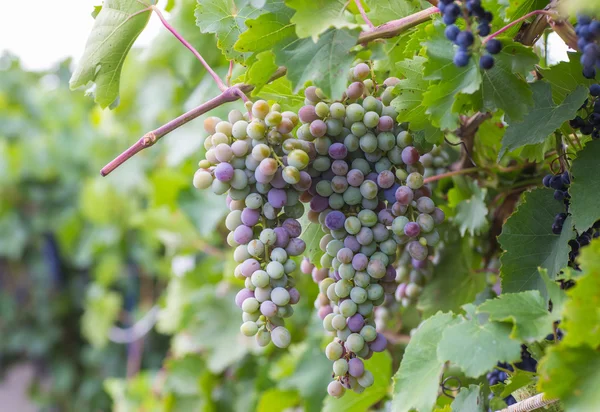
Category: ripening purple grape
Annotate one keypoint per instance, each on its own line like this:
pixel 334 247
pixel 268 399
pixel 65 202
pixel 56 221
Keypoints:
pixel 310 93
pixel 268 308
pixel 295 247
pixel 399 209
pixel 423 191
pixel 417 250
pixel 360 262
pixel 318 128
pixel 261 177
pixel 250 217
pixel 339 167
pixel 242 295
pixel 404 195
pixel 386 123
pixel 412 229
pixel 306 266
pixel 294 296
pixel 386 179
pixel 335 220
pixel 356 367
pixel 283 238
pixel 305 182
pixel 401 291
pixel 224 172
pixel 390 193
pixel 249 266
pixel 385 217
pixel 242 234
pixel 419 264
pixel 336 275
pixel 355 177
pixel 319 203
pixel 380 232
pixel 307 114
pixel 345 255
pixel 372 177
pixel 379 344
pixel 324 311
pixel 438 216
pixel 277 198
pixel 319 275
pixel 293 227
pixel 338 151
pixel 355 322
pixel 410 155
pixel 425 205
pixel 355 90
pixel 278 182
pixel 351 243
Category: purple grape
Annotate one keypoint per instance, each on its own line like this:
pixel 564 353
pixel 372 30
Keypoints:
pixel 417 250
pixel 410 155
pixel 379 344
pixel 423 191
pixel 364 236
pixel 335 220
pixel 404 195
pixel 360 261
pixel 319 203
pixel 268 308
pixel 339 167
pixel 324 311
pixel 296 247
pixel 355 177
pixel 318 128
pixel 277 198
pixel 356 367
pixel 242 295
pixel 399 209
pixel 249 266
pixel 355 322
pixel 293 227
pixel 336 275
pixel 277 181
pixel 385 217
pixel 261 177
pixel 425 205
pixel 386 123
pixel 307 114
pixel 390 193
pixel 345 255
pixel 338 151
pixel 283 237
pixel 304 183
pixel 242 234
pixel 319 274
pixel 250 217
pixel 412 229
pixel 390 274
pixel 386 179
pixel 372 177
pixel 401 291
pixel 294 296
pixel 224 172
pixel 419 264
pixel 351 243
pixel 438 216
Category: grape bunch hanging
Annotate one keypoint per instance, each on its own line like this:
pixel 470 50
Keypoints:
pixel 588 32
pixel 590 123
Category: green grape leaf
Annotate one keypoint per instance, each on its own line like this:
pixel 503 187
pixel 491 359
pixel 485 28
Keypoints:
pixel 565 77
pixel 102 308
pixel 116 28
pixel 517 380
pixel 504 85
pixel 184 374
pixel 409 99
pixel 380 366
pixel 585 196
pixel 312 234
pixel 441 97
pixel 416 384
pixel 382 10
pixel 226 19
pixel 314 17
pixel 555 293
pixel 527 311
pixel 471 214
pixel 267 31
pixel 477 348
pixel 261 71
pixel 573 375
pixel 281 91
pixel 326 62
pixel 574 7
pixel 453 283
pixel 529 243
pixel 518 8
pixel 543 118
pixel 276 400
pixel 469 400
pixel 582 311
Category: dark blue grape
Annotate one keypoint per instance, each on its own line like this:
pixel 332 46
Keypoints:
pixel 486 62
pixel 546 180
pixel 484 29
pixel 451 32
pixel 493 46
pixel 595 89
pixel 465 39
pixel 556 183
pixel 449 18
pixel 589 72
pixel 461 58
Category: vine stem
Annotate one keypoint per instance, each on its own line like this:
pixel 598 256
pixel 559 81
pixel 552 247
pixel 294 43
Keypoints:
pixel 395 27
pixel 515 22
pixel 363 13
pixel 183 41
pixel 450 174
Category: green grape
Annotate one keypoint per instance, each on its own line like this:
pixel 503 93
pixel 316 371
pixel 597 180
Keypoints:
pixel 352 143
pixel 367 217
pixel 414 181
pixel 348 308
pixel 338 322
pixel 371 119
pixel 322 110
pixel 202 179
pixel 358 129
pixel 291 175
pixel 355 112
pixel 275 270
pixel 250 305
pixel 298 159
pixel 281 337
pixel 340 367
pixel 369 189
pixel 374 291
pixel 337 110
pixel 333 351
pixel 369 333
pixel 355 342
pixel 249 328
pixel 386 142
pixel 358 295
pixel 280 296
pixel 366 380
pixel 352 196
pixel 260 279
pixel 263 337
pixel 343 288
pixel 368 143
pixel 362 279
pixel 404 139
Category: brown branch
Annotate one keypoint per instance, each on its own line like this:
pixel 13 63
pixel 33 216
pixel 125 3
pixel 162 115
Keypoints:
pixel 466 132
pixel 395 27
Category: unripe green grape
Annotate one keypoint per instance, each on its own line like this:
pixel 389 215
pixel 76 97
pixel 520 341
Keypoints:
pixel 352 143
pixel 279 283
pixel 337 110
pixel 352 225
pixel 322 110
pixel 275 270
pixel 352 196
pixel 219 187
pixel 368 143
pixel 233 220
pixel 280 296
pixel 366 380
pixel 281 337
pixel 239 129
pixel 372 104
pixel 249 328
pixel 279 255
pixel 260 279
pixel 355 342
pixel 355 112
pixel 260 109
pixel 368 249
pixel 256 248
pixel 369 333
pixel 362 279
pixel 298 159
pixel 202 179
pixel 241 253
pixel 250 305
pixel 333 351
pixel 231 241
pixel 327 322
pixel 340 367
pixel 343 288
pixel 251 317
pixel 398 225
pixel 239 180
pixel 338 322
pixel 339 234
pixel 386 141
pixel 273 118
pixel 388 247
pixel 268 237
pixel 371 119
pixel 369 189
pixel 333 247
pixel 404 139
pixel 322 163
pixel 324 285
pixel 220 138
pixel 239 194
pixel 348 308
pixel 263 337
pixel 374 291
pixel 358 129
pixel 291 175
pixel 367 218
pixel 365 309
pixel 223 127
pixel 334 127
pixel 343 334
pixel 358 295
pixel 414 181
pixel 432 238
pixel 362 165
pixel 295 212
pixel 261 152
pixel 331 293
pixel 248 285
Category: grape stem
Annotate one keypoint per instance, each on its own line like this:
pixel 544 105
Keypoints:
pixel 363 13
pixel 520 19
pixel 450 174
pixel 195 52
pixel 395 27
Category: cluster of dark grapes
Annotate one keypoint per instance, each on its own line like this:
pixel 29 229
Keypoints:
pixel 560 183
pixel 582 240
pixel 588 31
pixel 464 39
pixel 590 125
pixel 261 167
pixel 497 376
pixel 368 195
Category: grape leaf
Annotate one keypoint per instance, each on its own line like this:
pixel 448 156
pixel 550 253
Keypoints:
pixel 380 366
pixel 529 243
pixel 543 118
pixel 471 214
pixel 312 234
pixel 453 283
pixel 518 8
pixel 102 309
pixel 266 31
pixel 517 380
pixel 476 348
pixel 261 71
pixel 582 311
pixel 527 311
pixel 468 400
pixel 409 98
pixel 226 19
pixel 276 400
pixel 580 6
pixel 416 383
pixel 383 10
pixel 314 17
pixel 504 86
pixel 573 375
pixel 281 91
pixel 441 97
pixel 326 62
pixel 585 196
pixel 116 28
pixel 565 77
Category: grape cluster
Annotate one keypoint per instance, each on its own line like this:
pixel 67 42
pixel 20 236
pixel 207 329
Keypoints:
pixel 560 183
pixel 465 39
pixel 436 162
pixel 588 31
pixel 367 193
pixel 590 125
pixel 261 167
pixel 497 376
